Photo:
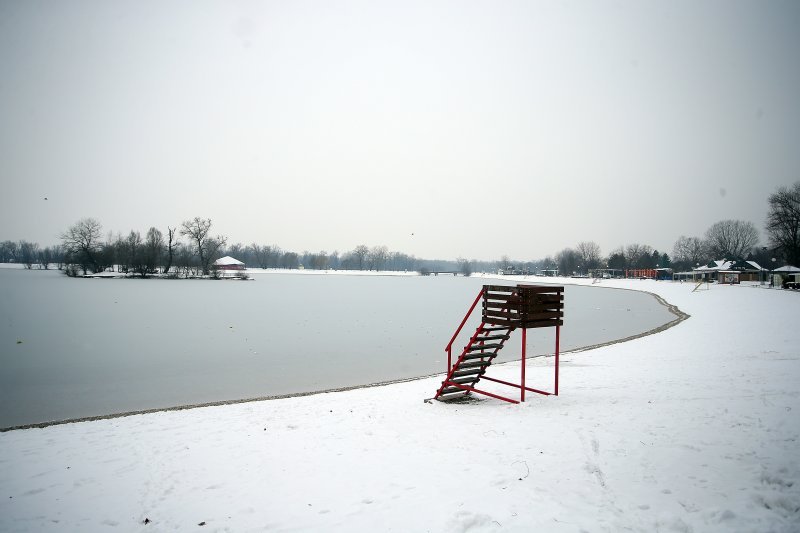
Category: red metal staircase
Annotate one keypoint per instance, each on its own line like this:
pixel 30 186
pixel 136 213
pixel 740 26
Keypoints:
pixel 505 309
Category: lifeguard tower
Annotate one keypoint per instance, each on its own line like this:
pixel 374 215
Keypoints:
pixel 505 309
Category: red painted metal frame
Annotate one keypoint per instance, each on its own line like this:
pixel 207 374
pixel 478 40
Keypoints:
pixel 471 389
pixel 522 388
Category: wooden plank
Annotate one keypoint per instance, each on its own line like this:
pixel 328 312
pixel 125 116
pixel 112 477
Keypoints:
pixel 500 288
pixel 542 324
pixel 501 314
pixel 542 316
pixel 500 308
pixel 523 307
pixel 539 289
pixel 544 298
pixel 501 322
pixel 533 308
pixel 501 298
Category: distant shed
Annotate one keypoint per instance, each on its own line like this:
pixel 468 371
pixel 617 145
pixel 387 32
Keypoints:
pixel 229 263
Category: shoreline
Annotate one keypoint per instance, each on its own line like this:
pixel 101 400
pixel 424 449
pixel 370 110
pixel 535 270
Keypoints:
pixel 680 316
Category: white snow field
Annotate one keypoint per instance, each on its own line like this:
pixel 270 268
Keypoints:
pixel 696 428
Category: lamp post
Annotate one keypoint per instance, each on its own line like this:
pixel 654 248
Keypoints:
pixel 772 277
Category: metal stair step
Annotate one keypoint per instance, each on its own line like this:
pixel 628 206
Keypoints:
pixel 467 372
pixel 474 364
pixel 452 390
pixel 471 356
pixel 483 347
pixel 492 338
pixel 463 381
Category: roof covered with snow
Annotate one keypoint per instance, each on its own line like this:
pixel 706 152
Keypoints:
pixel 227 260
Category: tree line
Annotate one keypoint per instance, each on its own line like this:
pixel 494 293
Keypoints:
pixel 726 239
pixel 189 249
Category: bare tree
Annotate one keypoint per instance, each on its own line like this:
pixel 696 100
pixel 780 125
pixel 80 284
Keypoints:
pixel 465 266
pixel 688 252
pixel 45 257
pixel 504 262
pixel 589 253
pixel 172 246
pixel 152 250
pixel 617 259
pixel 289 260
pixel 731 239
pixel 8 252
pixel 783 222
pixel 318 261
pixel 136 257
pixel 639 256
pixel 360 254
pixel 236 251
pixel 82 243
pixel 28 253
pixel 567 260
pixel 378 255
pixel 261 254
pixel 204 246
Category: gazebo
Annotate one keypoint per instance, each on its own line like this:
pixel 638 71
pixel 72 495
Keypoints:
pixel 228 263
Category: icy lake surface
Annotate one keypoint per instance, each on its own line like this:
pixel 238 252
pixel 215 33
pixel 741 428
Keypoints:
pixel 83 347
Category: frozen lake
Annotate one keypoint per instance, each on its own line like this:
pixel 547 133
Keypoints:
pixel 84 347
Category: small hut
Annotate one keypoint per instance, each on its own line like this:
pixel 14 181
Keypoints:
pixel 228 264
pixel 785 275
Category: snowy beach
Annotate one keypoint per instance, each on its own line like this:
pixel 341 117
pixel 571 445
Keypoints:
pixel 692 429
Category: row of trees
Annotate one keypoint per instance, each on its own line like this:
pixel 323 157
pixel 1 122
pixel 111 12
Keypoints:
pixel 30 255
pixel 157 252
pixel 726 239
pixel 362 257
pixel 84 248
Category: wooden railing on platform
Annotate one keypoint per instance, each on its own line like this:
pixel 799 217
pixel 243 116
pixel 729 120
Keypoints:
pixel 523 306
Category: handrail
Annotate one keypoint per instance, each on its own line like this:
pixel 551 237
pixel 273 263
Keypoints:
pixel 449 347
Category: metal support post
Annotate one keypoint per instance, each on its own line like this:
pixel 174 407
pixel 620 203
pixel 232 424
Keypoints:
pixel 524 342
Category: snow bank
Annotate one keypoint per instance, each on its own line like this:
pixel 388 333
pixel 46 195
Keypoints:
pixel 693 429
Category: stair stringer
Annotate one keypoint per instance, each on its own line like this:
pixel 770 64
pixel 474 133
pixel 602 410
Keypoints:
pixel 452 385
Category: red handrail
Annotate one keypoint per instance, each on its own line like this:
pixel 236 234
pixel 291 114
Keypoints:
pixel 449 347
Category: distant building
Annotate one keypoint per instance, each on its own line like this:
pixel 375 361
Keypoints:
pixel 229 263
pixel 724 271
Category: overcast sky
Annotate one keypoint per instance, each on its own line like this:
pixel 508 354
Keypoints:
pixel 440 129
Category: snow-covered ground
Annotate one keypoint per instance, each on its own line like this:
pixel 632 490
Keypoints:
pixel 693 429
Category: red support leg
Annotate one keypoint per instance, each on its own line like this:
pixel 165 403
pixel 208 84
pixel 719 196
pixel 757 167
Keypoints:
pixel 558 338
pixel 522 388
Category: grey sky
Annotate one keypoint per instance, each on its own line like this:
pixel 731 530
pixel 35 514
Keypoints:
pixel 483 128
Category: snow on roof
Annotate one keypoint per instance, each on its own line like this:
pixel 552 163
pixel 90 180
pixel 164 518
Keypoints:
pixel 726 266
pixel 227 260
pixel 787 268
pixel 715 266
